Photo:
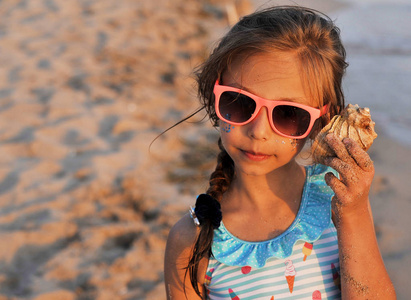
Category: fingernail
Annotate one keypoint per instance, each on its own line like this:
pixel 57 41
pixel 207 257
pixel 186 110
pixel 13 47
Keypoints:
pixel 327 178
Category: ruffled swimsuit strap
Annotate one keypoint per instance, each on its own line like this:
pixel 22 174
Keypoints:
pixel 313 217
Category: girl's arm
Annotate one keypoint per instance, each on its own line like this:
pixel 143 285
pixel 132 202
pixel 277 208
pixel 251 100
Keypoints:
pixel 363 274
pixel 178 250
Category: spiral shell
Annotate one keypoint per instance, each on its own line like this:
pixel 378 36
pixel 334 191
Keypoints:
pixel 354 122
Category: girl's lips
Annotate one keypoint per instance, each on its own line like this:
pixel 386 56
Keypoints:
pixel 255 156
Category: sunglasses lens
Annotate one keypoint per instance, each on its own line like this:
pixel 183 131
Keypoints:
pixel 291 120
pixel 236 107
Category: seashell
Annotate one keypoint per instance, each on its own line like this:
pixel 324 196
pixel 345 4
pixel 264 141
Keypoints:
pixel 353 122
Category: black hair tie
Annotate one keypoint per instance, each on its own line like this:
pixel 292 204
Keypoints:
pixel 207 208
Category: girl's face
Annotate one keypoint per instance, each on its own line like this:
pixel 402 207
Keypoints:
pixel 255 148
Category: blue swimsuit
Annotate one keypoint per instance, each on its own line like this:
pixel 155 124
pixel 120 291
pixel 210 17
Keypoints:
pixel 301 263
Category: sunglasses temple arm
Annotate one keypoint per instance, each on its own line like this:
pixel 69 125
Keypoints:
pixel 324 109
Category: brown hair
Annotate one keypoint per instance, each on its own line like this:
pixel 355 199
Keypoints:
pixel 315 40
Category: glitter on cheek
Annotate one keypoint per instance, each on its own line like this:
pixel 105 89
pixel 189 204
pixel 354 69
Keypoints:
pixel 226 127
pixel 293 143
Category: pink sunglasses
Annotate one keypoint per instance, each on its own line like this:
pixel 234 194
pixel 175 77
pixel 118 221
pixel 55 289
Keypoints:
pixel 289 119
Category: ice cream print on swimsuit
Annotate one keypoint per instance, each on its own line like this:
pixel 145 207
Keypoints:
pixel 307 249
pixel 290 274
pixel 316 295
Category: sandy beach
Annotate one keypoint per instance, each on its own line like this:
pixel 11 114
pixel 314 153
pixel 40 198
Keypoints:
pixel 85 203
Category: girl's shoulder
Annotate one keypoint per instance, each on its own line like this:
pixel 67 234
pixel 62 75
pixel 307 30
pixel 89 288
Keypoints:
pixel 183 234
pixel 181 239
pixel 179 247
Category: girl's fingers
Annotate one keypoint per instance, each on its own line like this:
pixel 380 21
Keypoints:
pixel 344 169
pixel 334 183
pixel 350 152
pixel 339 148
pixel 359 155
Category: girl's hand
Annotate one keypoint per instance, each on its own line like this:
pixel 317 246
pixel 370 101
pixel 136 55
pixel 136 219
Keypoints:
pixel 356 171
pixel 357 242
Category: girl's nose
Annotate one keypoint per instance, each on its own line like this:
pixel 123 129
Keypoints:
pixel 260 128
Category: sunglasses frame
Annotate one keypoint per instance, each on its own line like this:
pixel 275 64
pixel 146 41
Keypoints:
pixel 315 113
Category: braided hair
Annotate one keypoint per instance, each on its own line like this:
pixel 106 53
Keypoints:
pixel 321 56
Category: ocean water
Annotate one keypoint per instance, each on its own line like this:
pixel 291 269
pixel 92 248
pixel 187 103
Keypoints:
pixel 377 36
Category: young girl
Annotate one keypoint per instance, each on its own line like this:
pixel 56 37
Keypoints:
pixel 267 227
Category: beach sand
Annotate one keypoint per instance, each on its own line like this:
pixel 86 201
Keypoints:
pixel 85 204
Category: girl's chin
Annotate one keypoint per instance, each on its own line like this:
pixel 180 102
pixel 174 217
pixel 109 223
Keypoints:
pixel 256 170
